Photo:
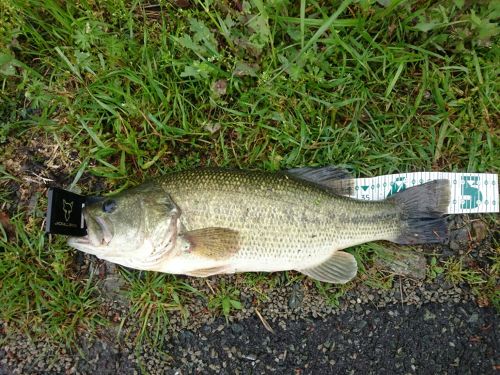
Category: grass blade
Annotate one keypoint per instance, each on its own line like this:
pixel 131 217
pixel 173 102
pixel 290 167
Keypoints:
pixel 394 79
pixel 302 20
pixel 71 67
pixel 326 25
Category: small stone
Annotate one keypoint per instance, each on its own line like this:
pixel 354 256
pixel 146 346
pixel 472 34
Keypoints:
pixel 459 238
pixel 237 328
pixel 296 296
pixel 428 315
pixel 186 338
pixel 250 357
pixel 474 317
pixel 360 325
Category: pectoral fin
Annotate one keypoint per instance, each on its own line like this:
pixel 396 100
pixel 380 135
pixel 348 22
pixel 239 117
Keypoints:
pixel 339 269
pixel 212 243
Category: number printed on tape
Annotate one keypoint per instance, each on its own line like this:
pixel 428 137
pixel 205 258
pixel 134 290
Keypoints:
pixel 470 192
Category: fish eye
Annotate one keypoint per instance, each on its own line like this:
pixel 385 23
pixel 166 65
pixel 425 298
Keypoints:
pixel 109 206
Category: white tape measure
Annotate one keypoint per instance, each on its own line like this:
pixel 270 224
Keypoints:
pixel 470 192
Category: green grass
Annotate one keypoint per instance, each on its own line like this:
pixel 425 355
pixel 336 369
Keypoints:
pixel 38 294
pixel 125 90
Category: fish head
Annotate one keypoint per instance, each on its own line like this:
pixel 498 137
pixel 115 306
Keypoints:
pixel 134 228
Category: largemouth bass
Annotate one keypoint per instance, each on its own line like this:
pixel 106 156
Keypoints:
pixel 213 221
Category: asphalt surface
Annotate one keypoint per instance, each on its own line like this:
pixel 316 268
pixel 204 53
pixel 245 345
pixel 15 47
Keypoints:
pixel 450 338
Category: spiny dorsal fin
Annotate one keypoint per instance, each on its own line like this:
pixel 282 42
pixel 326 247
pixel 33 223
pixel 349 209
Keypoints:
pixel 338 180
pixel 339 269
pixel 213 243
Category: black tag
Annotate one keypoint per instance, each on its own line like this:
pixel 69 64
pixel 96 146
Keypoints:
pixel 64 213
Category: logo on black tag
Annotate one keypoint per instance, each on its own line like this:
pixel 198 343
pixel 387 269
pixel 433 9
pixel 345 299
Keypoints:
pixel 67 208
pixel 65 213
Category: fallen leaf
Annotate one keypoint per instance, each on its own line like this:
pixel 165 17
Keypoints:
pixel 479 230
pixel 182 3
pixel 243 69
pixel 6 224
pixel 212 127
pixel 426 26
pixel 482 301
pixel 384 3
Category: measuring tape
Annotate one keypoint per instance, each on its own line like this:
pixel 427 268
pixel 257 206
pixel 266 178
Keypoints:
pixel 470 192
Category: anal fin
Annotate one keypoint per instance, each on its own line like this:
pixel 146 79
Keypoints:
pixel 338 269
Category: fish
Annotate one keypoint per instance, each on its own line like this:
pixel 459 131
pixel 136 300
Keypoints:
pixel 209 221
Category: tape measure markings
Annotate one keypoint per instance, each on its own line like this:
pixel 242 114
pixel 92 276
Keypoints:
pixel 470 192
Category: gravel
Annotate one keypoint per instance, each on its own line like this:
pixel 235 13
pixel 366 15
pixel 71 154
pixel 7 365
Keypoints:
pixel 427 337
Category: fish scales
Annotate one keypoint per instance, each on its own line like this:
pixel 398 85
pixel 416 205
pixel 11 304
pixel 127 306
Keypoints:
pixel 279 218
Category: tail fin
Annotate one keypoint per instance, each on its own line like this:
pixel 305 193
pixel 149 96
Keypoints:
pixel 422 209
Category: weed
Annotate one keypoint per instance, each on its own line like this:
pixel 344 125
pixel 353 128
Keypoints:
pixel 366 256
pixel 225 300
pixel 456 273
pixel 483 283
pixel 332 293
pixel 259 283
pixel 434 269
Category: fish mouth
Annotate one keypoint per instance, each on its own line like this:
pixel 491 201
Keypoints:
pixel 99 234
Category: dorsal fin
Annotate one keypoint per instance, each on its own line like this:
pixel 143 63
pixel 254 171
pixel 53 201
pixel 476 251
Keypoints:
pixel 214 243
pixel 338 180
pixel 339 269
